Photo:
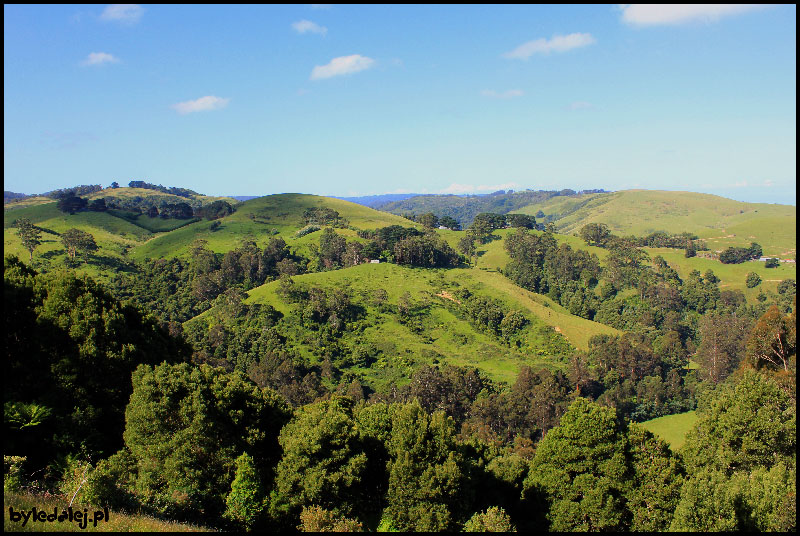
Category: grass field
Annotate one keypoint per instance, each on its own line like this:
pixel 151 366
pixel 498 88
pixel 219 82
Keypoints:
pixel 672 428
pixel 721 222
pixel 732 276
pixel 117 522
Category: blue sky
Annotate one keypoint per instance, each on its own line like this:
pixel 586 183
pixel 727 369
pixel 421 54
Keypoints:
pixel 358 100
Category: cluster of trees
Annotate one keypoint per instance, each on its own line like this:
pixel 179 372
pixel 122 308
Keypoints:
pixel 429 220
pixel 734 255
pixel 83 189
pixel 401 245
pixel 180 192
pixel 208 446
pixel 323 216
pixel 598 234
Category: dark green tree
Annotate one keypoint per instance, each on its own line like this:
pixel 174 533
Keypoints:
pixel 580 467
pixel 29 234
pixel 595 234
pixel 752 280
pixel 76 240
pixel 323 462
pixel 425 471
pixel 185 428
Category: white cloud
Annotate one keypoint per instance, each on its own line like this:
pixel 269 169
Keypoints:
pixel 342 65
pixel 306 26
pixel 657 14
pixel 128 13
pixel 456 188
pixel 508 94
pixel 559 43
pixel 99 58
pixel 203 104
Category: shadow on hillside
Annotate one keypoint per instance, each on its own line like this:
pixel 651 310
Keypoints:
pixel 112 263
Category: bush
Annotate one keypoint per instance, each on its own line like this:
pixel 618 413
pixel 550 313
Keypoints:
pixel 494 519
pixel 308 229
pixel 752 280
pixel 12 473
pixel 316 519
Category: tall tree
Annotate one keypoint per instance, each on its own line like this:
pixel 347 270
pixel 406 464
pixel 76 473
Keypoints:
pixel 580 468
pixel 29 234
pixel 773 339
pixel 76 240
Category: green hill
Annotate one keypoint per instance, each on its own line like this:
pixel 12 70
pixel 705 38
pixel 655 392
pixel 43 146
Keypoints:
pixel 264 217
pixel 719 221
pixel 439 329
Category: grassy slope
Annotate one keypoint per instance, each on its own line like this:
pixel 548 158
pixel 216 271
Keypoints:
pixel 721 222
pixel 446 337
pixel 262 218
pixel 732 276
pixel 672 428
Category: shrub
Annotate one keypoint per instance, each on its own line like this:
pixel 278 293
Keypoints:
pixel 493 519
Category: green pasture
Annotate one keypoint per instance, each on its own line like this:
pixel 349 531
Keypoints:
pixel 732 276
pixel 672 428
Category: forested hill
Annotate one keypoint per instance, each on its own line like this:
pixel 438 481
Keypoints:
pixel 464 208
pixel 376 201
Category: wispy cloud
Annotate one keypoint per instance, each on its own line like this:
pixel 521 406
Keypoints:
pixel 99 58
pixel 306 26
pixel 661 14
pixel 342 65
pixel 456 188
pixel 559 43
pixel 508 94
pixel 321 6
pixel 203 104
pixel 127 13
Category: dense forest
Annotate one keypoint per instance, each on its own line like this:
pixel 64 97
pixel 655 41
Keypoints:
pixel 246 389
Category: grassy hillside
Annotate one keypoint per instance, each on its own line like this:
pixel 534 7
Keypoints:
pixel 438 331
pixel 719 221
pixel 262 218
pixel 732 276
pixel 672 428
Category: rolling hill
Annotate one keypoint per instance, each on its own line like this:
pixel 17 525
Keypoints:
pixel 719 221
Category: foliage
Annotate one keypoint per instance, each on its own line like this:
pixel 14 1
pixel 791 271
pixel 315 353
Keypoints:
pixel 316 519
pixel 71 204
pixel 493 519
pixel 245 502
pixel 752 280
pixel 428 251
pixel 425 471
pixel 71 347
pixel 185 428
pixel 323 461
pixel 595 234
pixel 77 240
pixel 580 467
pixel 773 341
pixel 29 234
